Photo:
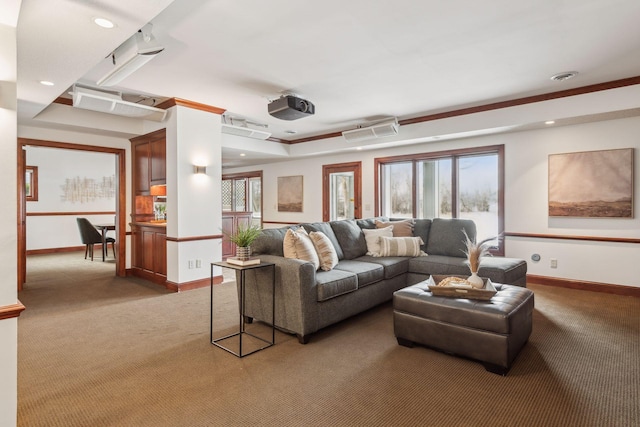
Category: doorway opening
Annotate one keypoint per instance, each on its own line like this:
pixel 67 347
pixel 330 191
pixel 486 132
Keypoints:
pixel 119 184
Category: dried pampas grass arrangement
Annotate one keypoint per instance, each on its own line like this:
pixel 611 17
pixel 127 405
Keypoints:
pixel 475 251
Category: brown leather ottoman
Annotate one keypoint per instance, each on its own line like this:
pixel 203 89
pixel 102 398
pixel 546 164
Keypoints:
pixel 492 332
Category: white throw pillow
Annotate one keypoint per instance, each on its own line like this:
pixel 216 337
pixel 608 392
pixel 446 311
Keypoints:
pixel 372 237
pixel 401 246
pixel 326 252
pixel 297 244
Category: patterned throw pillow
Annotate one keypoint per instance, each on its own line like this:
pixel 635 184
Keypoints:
pixel 401 246
pixel 297 244
pixel 325 250
pixel 373 239
pixel 402 228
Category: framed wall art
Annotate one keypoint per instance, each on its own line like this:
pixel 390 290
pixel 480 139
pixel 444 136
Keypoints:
pixel 290 193
pixel 591 184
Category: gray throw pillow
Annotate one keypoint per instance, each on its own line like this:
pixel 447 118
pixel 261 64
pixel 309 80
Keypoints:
pixel 350 237
pixel 446 236
pixel 325 228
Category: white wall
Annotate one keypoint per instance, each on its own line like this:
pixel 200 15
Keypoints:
pixel 55 168
pixel 8 233
pixel 68 223
pixel 526 156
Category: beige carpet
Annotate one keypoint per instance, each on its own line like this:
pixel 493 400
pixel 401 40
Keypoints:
pixel 95 350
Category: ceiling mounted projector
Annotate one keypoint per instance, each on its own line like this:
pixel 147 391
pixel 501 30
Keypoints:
pixel 131 55
pixel 291 107
pixel 111 103
pixel 388 127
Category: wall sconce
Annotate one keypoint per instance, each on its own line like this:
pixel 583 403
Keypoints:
pixel 199 170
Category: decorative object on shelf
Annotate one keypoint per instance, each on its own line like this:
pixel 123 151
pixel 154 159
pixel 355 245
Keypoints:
pixel 243 238
pixel 475 251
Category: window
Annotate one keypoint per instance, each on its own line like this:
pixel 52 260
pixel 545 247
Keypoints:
pixel 31 183
pixel 452 184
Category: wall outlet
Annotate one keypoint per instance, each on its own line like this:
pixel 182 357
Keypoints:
pixel 554 263
pixel 190 263
pixel 198 263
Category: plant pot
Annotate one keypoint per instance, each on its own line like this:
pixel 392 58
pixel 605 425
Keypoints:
pixel 243 253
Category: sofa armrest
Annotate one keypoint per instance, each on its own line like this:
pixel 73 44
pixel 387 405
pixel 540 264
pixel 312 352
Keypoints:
pixel 296 295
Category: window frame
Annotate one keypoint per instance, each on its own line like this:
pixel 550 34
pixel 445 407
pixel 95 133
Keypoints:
pixel 379 162
pixel 32 195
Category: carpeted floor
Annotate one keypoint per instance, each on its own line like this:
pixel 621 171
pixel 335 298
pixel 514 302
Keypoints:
pixel 96 350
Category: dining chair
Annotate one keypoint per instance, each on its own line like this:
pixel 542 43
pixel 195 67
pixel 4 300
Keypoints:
pixel 91 236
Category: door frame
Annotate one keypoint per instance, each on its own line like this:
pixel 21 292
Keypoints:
pixel 121 179
pixel 327 170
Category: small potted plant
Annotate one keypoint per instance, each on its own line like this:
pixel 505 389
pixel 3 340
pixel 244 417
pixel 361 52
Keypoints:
pixel 243 238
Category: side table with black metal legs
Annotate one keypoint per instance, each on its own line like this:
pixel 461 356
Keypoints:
pixel 242 331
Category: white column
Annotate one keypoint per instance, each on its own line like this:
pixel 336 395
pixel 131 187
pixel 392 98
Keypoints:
pixel 194 205
pixel 8 233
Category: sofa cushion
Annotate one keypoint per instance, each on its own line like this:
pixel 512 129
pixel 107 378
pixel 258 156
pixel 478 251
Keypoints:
pixel 350 237
pixel 366 272
pixel 297 244
pixel 402 228
pixel 439 264
pixel 325 250
pixel 400 246
pixel 326 229
pixel 393 265
pixel 421 227
pixel 446 236
pixel 372 237
pixel 269 241
pixel 504 270
pixel 331 284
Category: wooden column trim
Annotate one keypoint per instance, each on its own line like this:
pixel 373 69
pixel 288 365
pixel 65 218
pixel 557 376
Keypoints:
pixel 11 311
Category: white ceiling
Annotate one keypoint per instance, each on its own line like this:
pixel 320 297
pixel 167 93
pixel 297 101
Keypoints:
pixel 355 60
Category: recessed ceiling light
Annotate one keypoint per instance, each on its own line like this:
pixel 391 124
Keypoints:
pixel 242 154
pixel 103 22
pixel 46 83
pixel 291 132
pixel 359 148
pixel 560 77
pixel 549 122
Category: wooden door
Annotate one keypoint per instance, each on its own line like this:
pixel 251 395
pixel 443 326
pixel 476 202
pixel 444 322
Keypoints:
pixel 330 195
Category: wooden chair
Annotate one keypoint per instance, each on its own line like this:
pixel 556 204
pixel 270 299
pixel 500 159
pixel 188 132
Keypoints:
pixel 91 236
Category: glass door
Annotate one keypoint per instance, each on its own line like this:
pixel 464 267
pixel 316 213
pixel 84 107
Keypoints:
pixel 342 194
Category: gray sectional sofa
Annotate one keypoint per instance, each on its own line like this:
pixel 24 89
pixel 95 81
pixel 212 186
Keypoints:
pixel 308 300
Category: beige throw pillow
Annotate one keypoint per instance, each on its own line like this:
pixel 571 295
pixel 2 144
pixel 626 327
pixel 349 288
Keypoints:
pixel 401 246
pixel 297 244
pixel 402 228
pixel 325 250
pixel 372 237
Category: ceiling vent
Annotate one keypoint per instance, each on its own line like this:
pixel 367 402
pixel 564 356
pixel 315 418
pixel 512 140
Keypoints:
pixel 245 131
pixel 388 127
pixel 240 127
pixel 131 55
pixel 111 103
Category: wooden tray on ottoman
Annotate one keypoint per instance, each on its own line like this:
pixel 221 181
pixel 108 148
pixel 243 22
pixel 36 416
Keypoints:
pixel 461 291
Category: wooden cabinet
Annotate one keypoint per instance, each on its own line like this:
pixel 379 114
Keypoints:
pixel 149 166
pixel 230 223
pixel 149 258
